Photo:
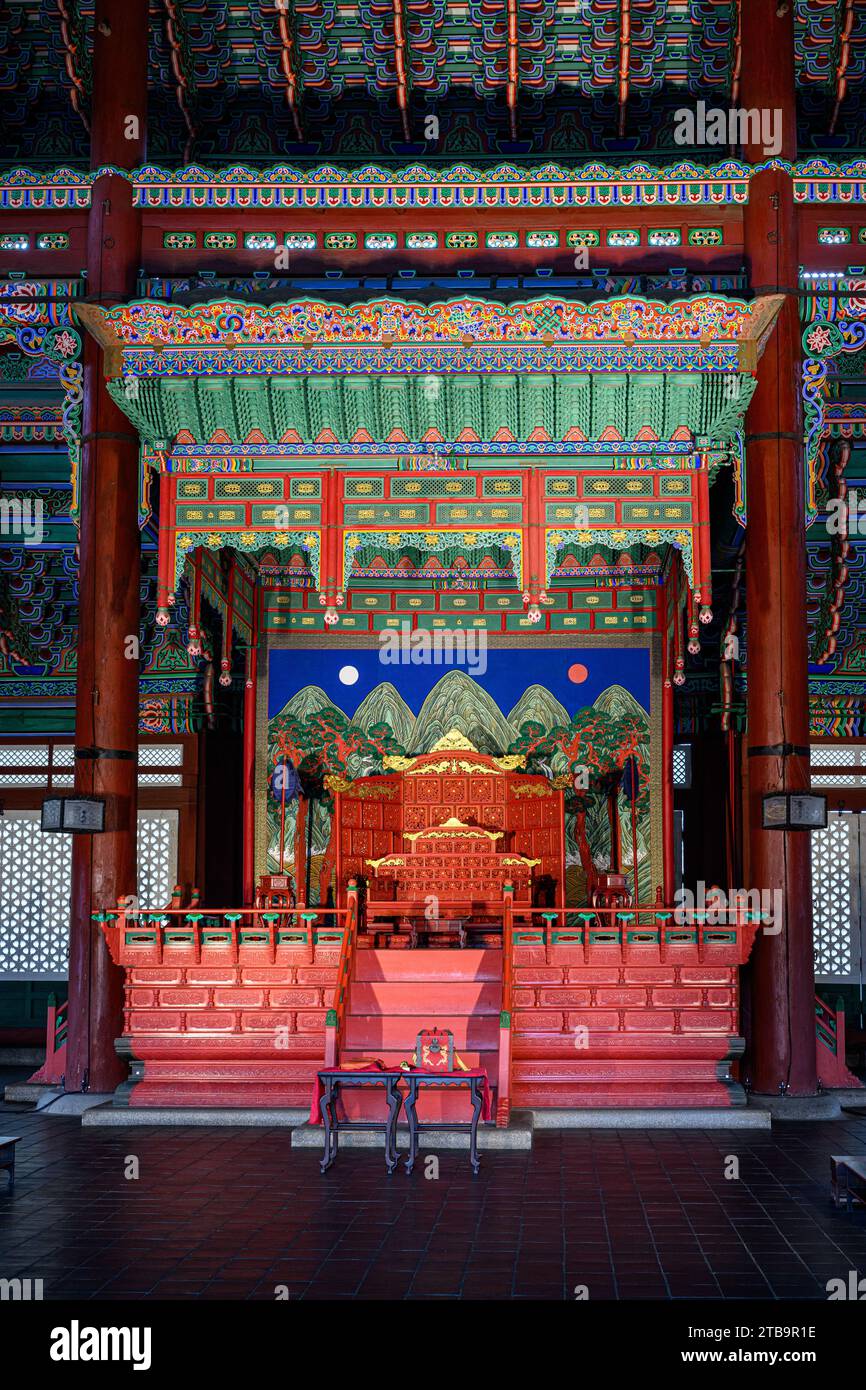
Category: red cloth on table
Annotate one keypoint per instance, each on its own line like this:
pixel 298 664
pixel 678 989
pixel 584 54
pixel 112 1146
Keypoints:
pixel 486 1093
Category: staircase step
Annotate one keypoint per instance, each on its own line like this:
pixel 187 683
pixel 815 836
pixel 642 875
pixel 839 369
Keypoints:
pixel 374 1031
pixel 568 1095
pixel 589 1071
pixel 425 999
pixel 425 965
pixel 554 1048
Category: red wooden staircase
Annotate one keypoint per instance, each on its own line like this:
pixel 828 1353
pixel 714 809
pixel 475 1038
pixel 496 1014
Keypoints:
pixel 394 994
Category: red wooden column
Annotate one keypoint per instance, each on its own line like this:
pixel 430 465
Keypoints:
pixel 783 987
pixel 668 866
pixel 249 772
pixel 106 727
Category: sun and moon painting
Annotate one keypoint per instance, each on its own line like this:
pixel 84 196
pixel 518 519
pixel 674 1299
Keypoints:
pixel 423 700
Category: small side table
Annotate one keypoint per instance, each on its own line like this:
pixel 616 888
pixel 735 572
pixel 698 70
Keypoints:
pixel 331 1083
pixel 478 1085
pixel 7 1155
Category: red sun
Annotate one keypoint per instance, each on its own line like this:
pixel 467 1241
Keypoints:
pixel 577 673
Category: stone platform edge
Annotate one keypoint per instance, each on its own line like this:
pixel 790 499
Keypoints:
pixel 518 1135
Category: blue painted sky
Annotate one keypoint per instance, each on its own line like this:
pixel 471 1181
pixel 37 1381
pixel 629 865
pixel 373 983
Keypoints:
pixel 509 672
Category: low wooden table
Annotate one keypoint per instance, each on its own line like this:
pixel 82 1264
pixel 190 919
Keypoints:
pixel 7 1155
pixel 479 1090
pixel 848 1179
pixel 331 1081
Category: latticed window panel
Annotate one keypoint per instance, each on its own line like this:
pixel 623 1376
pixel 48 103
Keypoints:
pixel 836 898
pixel 160 755
pixel 157 858
pixel 36 886
pixel 35 873
pixel 837 754
pixel 24 755
pixel 682 764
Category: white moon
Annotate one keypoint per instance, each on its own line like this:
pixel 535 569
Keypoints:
pixel 348 675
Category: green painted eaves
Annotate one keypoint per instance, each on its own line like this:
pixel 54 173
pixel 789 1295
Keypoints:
pixel 708 406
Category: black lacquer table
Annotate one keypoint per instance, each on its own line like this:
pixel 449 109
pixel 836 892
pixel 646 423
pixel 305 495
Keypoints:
pixel 478 1091
pixel 331 1082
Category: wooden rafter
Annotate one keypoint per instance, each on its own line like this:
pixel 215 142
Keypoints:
pixel 846 25
pixel 71 34
pixel 401 65
pixel 737 57
pixel 513 80
pixel 282 9
pixel 624 60
pixel 183 79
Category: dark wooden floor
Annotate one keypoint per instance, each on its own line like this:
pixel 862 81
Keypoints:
pixel 235 1213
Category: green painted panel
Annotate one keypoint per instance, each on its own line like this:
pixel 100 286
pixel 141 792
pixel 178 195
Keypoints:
pixel 415 603
pixel 479 513
pixel 384 514
pixel 304 488
pixel 620 620
pixel 364 487
pixel 602 598
pixel 222 515
pixel 654 513
pixel 502 487
pixel 194 487
pixel 433 487
pixel 675 487
pixel 503 601
pixel 290 515
pixel 363 600
pixel 449 602
pixel 238 489
pixel 561 622
pixel 454 621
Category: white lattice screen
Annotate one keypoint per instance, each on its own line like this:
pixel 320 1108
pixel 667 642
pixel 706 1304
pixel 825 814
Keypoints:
pixel 34 898
pixel 836 898
pixel 157 858
pixel 35 886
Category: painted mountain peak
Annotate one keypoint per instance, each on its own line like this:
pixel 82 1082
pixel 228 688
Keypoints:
pixel 309 700
pixel 538 704
pixel 459 702
pixel 619 702
pixel 385 705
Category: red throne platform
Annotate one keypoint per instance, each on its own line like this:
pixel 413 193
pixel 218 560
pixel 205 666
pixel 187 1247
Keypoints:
pixel 563 1007
pixel 453 825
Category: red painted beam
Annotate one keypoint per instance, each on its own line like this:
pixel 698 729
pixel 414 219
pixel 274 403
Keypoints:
pixel 106 727
pixel 783 989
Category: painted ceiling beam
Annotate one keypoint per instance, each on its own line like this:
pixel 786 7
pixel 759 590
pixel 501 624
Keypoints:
pixel 624 61
pixel 288 66
pixel 401 65
pixel 513 79
pixel 182 67
pixel 737 56
pixel 846 24
pixel 75 55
